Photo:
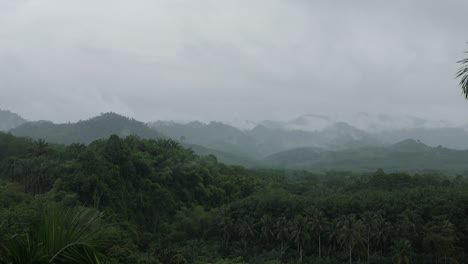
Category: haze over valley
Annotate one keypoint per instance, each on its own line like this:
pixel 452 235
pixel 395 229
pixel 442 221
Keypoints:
pixel 313 142
pixel 233 132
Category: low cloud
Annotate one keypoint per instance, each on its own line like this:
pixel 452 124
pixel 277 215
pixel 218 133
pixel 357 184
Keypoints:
pixel 243 59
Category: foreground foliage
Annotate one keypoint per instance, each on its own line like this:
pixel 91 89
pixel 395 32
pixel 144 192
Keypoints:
pixel 163 204
pixel 61 236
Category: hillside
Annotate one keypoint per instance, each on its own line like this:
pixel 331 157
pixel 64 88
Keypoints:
pixel 224 157
pixel 160 203
pixel 263 139
pixel 109 124
pixel 214 135
pixel 9 120
pixel 408 155
pixel 85 131
pixel 450 137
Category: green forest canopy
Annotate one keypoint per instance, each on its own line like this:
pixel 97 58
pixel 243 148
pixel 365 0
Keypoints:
pixel 153 201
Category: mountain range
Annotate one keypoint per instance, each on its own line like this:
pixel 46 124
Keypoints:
pixel 408 155
pixel 371 123
pixel 85 131
pixel 103 126
pixel 263 140
pixel 312 142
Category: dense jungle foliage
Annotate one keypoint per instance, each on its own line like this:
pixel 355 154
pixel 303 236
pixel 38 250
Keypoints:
pixel 132 200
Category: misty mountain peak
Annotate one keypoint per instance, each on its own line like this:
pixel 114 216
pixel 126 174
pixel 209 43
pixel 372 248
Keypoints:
pixel 10 120
pixel 86 131
pixel 109 116
pixel 411 145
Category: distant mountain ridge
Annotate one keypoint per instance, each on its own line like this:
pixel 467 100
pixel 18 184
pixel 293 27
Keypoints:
pixel 263 140
pixel 85 131
pixel 9 120
pixel 408 155
pixel 337 145
pixel 108 124
pixel 371 123
pixel 322 131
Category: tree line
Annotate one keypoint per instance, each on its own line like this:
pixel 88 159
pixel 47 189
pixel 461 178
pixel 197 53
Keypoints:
pixel 153 201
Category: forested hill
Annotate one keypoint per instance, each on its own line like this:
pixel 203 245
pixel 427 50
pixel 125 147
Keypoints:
pixel 236 147
pixel 263 140
pixel 86 131
pixel 9 120
pixel 409 155
pixel 224 157
pixel 161 203
pixel 108 124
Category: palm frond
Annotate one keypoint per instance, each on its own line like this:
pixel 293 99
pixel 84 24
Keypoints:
pixel 20 249
pixel 71 235
pixel 462 73
pixel 62 236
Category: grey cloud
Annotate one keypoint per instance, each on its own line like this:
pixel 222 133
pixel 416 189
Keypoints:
pixel 244 59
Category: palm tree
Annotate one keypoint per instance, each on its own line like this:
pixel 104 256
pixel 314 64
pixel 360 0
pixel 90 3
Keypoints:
pixel 41 147
pixel 333 237
pixel 267 227
pixel 463 75
pixel 407 224
pixel 178 259
pixel 350 233
pixel 381 231
pixel 317 223
pixel 62 236
pixel 300 235
pixel 247 230
pixel 402 249
pixel 440 235
pixel 282 231
pixel 368 218
pixel 227 225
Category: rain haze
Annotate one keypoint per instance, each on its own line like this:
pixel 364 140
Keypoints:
pixel 233 131
pixel 225 60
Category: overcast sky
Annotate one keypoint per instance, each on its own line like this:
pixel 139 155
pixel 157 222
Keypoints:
pixel 65 60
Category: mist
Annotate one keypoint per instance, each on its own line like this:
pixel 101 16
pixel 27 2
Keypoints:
pixel 231 60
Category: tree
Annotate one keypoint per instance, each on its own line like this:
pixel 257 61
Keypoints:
pixel 402 251
pixel 247 230
pixel 381 231
pixel 300 234
pixel 377 230
pixel 40 148
pixel 62 236
pixel 267 227
pixel 317 223
pixel 463 75
pixel 178 259
pixel 282 231
pixel 116 151
pixel 440 236
pixel 407 225
pixel 368 220
pixel 227 225
pixel 350 233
